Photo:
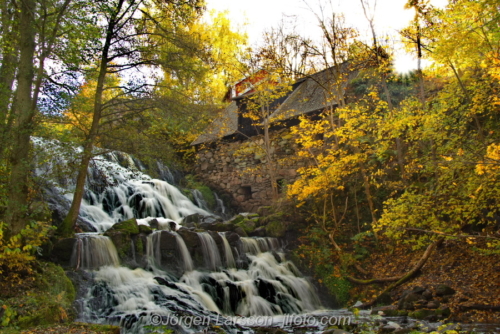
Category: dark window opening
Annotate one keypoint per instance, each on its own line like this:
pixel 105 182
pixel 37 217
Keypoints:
pixel 246 191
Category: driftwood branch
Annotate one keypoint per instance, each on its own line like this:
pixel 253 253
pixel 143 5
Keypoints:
pixel 372 281
pixel 361 270
pixel 402 279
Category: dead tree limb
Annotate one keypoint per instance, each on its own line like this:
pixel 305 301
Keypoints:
pixel 479 307
pixel 408 275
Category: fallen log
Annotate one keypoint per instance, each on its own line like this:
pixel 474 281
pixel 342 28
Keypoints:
pixel 480 307
pixel 372 281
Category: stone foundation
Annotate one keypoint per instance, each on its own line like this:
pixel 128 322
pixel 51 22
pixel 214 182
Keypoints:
pixel 240 168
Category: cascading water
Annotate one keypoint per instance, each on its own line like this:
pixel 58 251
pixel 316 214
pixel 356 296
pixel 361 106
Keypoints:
pixel 186 257
pixel 210 251
pixel 187 272
pixel 228 253
pixel 92 251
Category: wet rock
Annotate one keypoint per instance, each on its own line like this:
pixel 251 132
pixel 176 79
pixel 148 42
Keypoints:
pixel 335 331
pixel 271 330
pixel 233 239
pixel 85 225
pixel 410 301
pixel 218 241
pixel 123 244
pixel 433 304
pixel 210 220
pixel 62 251
pixel 427 294
pixel 431 315
pixel 418 290
pixel 381 310
pixel 154 224
pixel 145 229
pixel 218 226
pixel 277 257
pixel 258 232
pixel 241 232
pixel 248 225
pixel 190 239
pixel 168 241
pixel 444 290
pixel 391 327
pixel 192 219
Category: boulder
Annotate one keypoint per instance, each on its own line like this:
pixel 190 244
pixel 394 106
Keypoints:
pixel 210 220
pixel 123 242
pixel 145 229
pixel 431 315
pixel 444 290
pixel 168 241
pixel 433 304
pixel 381 310
pixel 233 239
pixel 127 226
pixel 258 232
pixel 241 232
pixel 63 250
pixel 248 225
pixel 154 224
pixel 410 301
pixel 427 294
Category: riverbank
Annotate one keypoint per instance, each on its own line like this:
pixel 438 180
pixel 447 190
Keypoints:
pixel 474 278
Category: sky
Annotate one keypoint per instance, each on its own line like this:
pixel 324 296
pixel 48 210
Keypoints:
pixel 257 16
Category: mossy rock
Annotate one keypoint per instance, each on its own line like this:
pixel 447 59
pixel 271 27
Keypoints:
pixel 145 229
pixel 425 313
pixel 128 226
pixel 395 313
pixel 248 225
pixel 276 229
pixel 241 232
pixel 236 219
pixel 444 290
pixel 122 241
pixel 139 247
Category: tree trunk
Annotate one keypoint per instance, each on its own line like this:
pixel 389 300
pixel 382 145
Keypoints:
pixel 67 226
pixel 16 214
pixel 7 73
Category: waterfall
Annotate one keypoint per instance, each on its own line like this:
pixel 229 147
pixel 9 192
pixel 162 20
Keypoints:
pixel 115 190
pixel 188 272
pixel 92 251
pixel 258 245
pixel 153 251
pixel 211 253
pixel 165 173
pixel 199 199
pixel 228 253
pixel 186 257
pixel 220 209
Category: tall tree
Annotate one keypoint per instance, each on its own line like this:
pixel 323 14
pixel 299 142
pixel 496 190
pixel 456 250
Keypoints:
pixel 130 28
pixel 39 30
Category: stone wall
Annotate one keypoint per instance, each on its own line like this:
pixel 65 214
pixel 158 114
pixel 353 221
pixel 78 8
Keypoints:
pixel 240 168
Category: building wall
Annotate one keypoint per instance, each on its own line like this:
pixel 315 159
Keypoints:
pixel 241 170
